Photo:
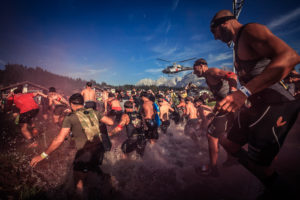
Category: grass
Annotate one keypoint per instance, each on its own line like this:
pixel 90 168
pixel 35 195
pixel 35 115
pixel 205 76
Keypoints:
pixel 27 192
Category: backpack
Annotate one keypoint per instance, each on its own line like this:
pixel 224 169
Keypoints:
pixel 156 118
pixel 89 122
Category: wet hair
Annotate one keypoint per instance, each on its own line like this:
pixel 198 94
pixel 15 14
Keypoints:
pixel 18 90
pixel 76 99
pixel 144 94
pixel 111 95
pixel 189 99
pixel 199 99
pixel 128 104
pixel 159 96
pixel 89 84
pixel 200 61
pixel 52 89
pixel 147 95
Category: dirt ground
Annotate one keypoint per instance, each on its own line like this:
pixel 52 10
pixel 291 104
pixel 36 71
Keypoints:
pixel 166 171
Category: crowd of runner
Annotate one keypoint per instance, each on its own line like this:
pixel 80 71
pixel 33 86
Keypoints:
pixel 259 113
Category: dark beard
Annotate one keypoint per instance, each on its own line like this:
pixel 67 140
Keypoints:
pixel 226 36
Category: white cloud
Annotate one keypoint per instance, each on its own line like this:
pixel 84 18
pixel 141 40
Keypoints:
pixel 284 19
pixel 169 25
pixel 154 70
pixel 162 28
pixel 164 50
pixel 227 64
pixel 288 31
pixel 219 57
pixel 149 37
pixel 197 37
pixel 196 49
pixel 174 5
pixel 174 81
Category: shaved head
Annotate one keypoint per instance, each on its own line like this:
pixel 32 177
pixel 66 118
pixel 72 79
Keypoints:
pixel 222 13
pixel 222 26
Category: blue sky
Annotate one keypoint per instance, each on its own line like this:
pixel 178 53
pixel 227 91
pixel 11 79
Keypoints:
pixel 119 41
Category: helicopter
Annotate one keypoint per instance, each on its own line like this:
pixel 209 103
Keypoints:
pixel 175 68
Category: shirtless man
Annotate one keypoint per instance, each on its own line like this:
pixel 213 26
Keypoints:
pixel 148 113
pixel 164 108
pixel 204 113
pixel 89 96
pixel 104 99
pixel 192 125
pixel 59 103
pixel 221 83
pixel 133 123
pixel 181 109
pixel 262 60
pixel 114 107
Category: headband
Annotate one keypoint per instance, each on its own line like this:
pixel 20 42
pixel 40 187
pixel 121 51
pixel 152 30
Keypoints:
pixel 215 23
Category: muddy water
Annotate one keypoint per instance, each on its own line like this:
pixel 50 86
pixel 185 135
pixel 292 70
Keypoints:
pixel 167 170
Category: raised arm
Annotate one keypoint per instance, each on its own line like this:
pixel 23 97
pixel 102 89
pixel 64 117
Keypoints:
pixel 124 121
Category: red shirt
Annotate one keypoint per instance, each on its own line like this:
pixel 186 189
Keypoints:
pixel 25 102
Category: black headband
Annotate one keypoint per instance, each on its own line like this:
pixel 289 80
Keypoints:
pixel 200 63
pixel 220 20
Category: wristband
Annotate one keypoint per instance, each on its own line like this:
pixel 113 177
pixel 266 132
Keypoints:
pixel 120 126
pixel 44 155
pixel 230 75
pixel 245 91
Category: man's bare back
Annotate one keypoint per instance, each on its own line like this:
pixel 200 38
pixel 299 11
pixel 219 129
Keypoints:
pixel 164 110
pixel 148 110
pixel 88 94
pixel 191 111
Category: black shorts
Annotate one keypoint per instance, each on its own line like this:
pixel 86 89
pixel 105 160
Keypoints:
pixel 136 142
pixel 164 125
pixel 90 104
pixel 15 109
pixel 151 133
pixel 59 109
pixel 28 116
pixel 45 109
pixel 220 125
pixel 90 156
pixel 264 127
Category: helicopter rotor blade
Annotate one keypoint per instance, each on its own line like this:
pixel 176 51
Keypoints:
pixel 163 60
pixel 186 60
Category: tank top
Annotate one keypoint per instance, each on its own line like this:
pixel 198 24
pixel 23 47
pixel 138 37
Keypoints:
pixel 220 90
pixel 248 69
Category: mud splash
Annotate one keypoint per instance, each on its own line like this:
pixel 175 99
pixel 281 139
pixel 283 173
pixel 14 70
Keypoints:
pixel 166 171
